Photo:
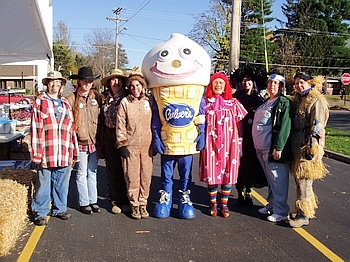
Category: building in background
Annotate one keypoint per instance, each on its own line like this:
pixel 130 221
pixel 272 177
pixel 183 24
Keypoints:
pixel 25 43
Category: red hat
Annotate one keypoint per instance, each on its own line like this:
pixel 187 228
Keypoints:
pixel 227 92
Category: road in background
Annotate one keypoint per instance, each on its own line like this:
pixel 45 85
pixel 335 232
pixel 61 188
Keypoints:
pixel 339 119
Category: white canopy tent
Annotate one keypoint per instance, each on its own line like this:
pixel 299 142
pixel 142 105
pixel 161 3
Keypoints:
pixel 26 31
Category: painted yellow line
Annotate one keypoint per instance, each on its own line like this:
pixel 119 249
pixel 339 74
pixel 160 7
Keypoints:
pixel 258 197
pixel 302 232
pixel 31 243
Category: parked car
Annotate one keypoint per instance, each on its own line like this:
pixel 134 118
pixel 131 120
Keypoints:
pixel 15 98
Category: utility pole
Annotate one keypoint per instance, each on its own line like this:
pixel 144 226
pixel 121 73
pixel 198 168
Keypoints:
pixel 235 34
pixel 116 19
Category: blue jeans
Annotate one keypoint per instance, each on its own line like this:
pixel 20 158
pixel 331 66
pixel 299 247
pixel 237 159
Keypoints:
pixel 86 178
pixel 51 183
pixel 277 175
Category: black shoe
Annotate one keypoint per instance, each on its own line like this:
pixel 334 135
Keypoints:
pixel 41 221
pixel 86 210
pixel 240 201
pixel 95 208
pixel 63 215
pixel 248 201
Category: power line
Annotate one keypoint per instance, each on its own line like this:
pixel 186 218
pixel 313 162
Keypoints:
pixel 140 9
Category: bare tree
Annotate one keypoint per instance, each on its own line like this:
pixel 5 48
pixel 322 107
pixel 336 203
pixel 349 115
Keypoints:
pixel 99 50
pixel 212 30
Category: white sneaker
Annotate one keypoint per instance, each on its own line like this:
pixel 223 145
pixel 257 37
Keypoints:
pixel 276 218
pixel 265 210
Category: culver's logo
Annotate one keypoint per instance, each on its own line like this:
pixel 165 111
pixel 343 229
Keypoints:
pixel 178 115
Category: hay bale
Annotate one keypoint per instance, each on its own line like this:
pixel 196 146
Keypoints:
pixel 13 215
pixel 22 176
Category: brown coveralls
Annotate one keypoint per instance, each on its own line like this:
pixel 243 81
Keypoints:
pixel 133 130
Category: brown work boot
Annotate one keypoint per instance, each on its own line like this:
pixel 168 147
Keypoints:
pixel 135 212
pixel 143 212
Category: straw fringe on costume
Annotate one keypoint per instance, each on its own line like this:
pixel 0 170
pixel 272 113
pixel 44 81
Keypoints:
pixel 309 169
pixel 307 207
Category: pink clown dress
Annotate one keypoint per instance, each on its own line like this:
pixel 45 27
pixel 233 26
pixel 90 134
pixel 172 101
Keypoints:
pixel 219 160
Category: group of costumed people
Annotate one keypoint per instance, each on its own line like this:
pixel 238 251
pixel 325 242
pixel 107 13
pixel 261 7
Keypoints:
pixel 190 112
pixel 293 132
pixel 220 127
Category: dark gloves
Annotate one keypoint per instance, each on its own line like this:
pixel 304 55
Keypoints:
pixel 200 140
pixel 124 152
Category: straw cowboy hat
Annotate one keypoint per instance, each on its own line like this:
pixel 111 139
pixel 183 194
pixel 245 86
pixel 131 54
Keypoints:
pixel 54 75
pixel 136 74
pixel 115 73
pixel 84 73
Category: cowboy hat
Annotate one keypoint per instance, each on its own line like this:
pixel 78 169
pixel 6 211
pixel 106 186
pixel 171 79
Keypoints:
pixel 84 73
pixel 54 75
pixel 136 74
pixel 115 73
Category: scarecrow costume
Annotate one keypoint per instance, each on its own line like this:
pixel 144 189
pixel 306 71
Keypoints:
pixel 308 139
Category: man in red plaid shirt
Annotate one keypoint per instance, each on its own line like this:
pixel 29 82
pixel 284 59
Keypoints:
pixel 54 148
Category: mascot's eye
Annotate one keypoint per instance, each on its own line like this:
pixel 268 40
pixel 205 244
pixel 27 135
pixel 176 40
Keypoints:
pixel 185 52
pixel 164 54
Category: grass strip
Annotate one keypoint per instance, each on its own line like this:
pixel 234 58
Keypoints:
pixel 338 141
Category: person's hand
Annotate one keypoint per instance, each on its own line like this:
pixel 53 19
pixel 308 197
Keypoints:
pixel 276 154
pixel 124 152
pixel 200 140
pixel 157 144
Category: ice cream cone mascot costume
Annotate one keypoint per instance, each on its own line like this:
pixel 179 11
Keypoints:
pixel 177 71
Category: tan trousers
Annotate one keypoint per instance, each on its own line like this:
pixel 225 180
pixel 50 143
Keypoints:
pixel 138 173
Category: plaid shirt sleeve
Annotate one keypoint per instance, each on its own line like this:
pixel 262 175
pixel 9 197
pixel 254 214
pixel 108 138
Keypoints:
pixel 36 129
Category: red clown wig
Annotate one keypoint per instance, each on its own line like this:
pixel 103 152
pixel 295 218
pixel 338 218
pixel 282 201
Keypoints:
pixel 227 94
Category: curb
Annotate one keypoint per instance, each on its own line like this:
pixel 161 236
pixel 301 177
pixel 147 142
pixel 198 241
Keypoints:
pixel 337 156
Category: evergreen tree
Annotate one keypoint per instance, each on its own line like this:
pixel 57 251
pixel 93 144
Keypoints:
pixel 320 33
pixel 252 31
pixel 63 60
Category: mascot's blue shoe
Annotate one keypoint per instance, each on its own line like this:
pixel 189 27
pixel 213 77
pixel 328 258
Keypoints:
pixel 164 205
pixel 185 209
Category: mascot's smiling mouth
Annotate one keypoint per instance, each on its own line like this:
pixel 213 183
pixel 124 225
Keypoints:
pixel 154 69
